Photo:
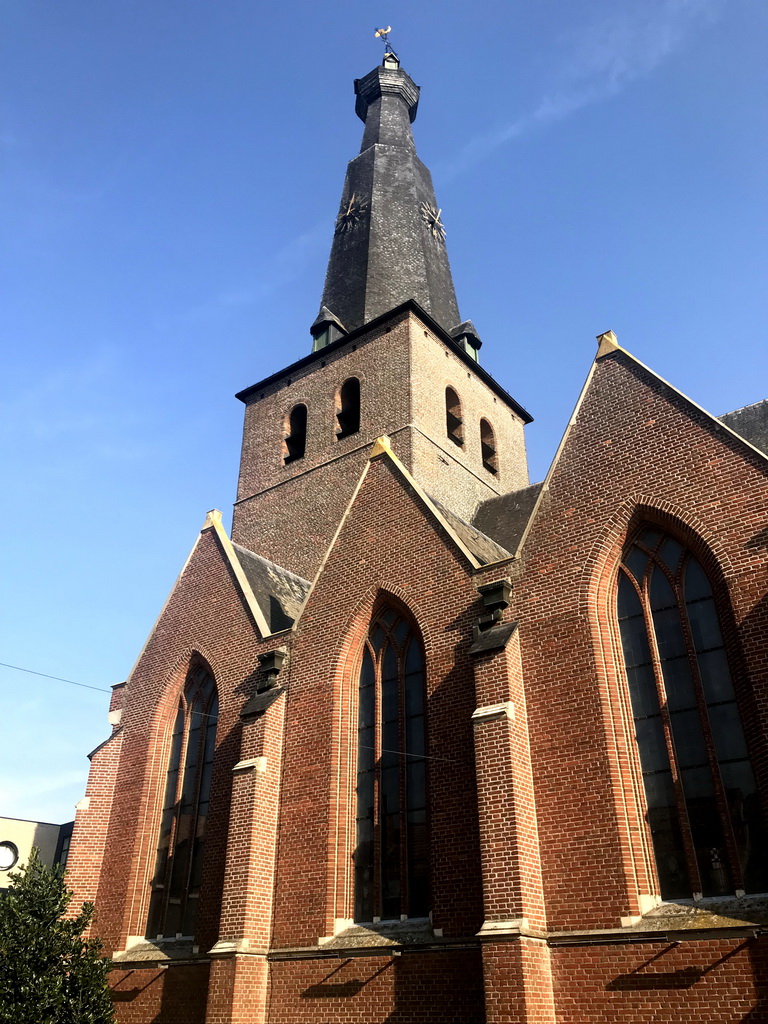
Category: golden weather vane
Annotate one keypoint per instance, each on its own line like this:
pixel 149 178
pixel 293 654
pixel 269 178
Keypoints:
pixel 383 35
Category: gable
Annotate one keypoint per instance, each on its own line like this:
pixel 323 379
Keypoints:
pixel 407 502
pixel 635 438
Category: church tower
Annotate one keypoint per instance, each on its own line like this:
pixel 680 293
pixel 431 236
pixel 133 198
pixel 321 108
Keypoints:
pixel 486 767
pixel 390 355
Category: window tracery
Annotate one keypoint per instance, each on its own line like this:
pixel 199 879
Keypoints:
pixel 703 807
pixel 391 856
pixel 179 859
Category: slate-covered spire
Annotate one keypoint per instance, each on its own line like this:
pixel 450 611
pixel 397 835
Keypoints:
pixel 389 241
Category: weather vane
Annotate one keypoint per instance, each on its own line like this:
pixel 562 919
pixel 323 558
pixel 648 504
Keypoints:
pixel 383 35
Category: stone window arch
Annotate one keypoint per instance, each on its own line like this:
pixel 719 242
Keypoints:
pixel 179 857
pixel 295 434
pixel 454 423
pixel 348 408
pixel 701 801
pixel 488 447
pixel 391 860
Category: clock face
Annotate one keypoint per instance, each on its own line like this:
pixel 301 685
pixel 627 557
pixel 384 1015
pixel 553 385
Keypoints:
pixel 431 217
pixel 9 854
pixel 355 211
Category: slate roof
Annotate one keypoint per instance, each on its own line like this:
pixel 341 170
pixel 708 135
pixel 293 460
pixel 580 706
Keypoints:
pixel 280 593
pixel 505 517
pixel 751 422
pixel 482 547
pixel 389 243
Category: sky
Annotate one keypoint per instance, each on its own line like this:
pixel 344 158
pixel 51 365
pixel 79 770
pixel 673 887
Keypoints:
pixel 171 173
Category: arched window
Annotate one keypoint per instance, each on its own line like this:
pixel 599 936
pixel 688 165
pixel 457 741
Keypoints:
pixel 392 855
pixel 488 447
pixel 295 441
pixel 348 408
pixel 702 804
pixel 179 862
pixel 454 425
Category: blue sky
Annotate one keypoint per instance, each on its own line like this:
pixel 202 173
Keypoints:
pixel 171 175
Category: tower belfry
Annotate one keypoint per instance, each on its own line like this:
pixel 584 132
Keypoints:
pixel 390 356
pixel 389 238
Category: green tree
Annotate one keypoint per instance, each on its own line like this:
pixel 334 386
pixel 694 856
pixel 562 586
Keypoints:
pixel 49 973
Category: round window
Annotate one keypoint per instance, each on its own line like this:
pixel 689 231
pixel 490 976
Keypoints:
pixel 9 854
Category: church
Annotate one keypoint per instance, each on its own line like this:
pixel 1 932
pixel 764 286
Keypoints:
pixel 423 742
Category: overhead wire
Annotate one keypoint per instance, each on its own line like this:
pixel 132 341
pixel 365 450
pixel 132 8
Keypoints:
pixel 59 679
pixel 101 689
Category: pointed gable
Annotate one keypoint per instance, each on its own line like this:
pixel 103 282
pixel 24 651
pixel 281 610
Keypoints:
pixel 633 437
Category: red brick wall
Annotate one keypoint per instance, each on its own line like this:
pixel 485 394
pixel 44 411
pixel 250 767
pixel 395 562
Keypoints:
pixel 635 444
pixel 89 835
pixel 388 539
pixel 204 600
pixel 511 864
pixel 238 990
pixel 415 988
pixel 518 983
pixel 720 980
pixel 173 996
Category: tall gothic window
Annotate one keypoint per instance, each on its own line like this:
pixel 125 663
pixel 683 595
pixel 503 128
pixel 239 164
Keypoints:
pixel 703 808
pixel 392 856
pixel 179 861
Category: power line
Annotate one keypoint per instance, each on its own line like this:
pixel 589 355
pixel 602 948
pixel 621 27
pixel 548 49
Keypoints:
pixel 85 686
pixel 59 679
pixel 202 714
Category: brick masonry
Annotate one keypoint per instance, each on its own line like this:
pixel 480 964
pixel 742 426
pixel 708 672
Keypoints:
pixel 539 853
pixel 289 513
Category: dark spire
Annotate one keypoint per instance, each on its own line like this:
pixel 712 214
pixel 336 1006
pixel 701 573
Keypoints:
pixel 389 241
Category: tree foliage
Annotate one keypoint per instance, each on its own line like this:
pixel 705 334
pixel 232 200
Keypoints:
pixel 49 973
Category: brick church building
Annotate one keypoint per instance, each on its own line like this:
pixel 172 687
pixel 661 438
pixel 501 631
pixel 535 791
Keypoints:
pixel 423 742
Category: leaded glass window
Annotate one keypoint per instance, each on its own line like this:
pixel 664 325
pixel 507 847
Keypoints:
pixel 179 859
pixel 703 808
pixel 391 855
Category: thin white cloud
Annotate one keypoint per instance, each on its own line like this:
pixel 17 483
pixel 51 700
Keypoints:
pixel 287 264
pixel 57 403
pixel 602 59
pixel 39 797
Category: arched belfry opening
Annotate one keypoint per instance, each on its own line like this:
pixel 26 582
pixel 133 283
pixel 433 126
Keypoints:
pixel 295 434
pixel 454 422
pixel 488 447
pixel 348 408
